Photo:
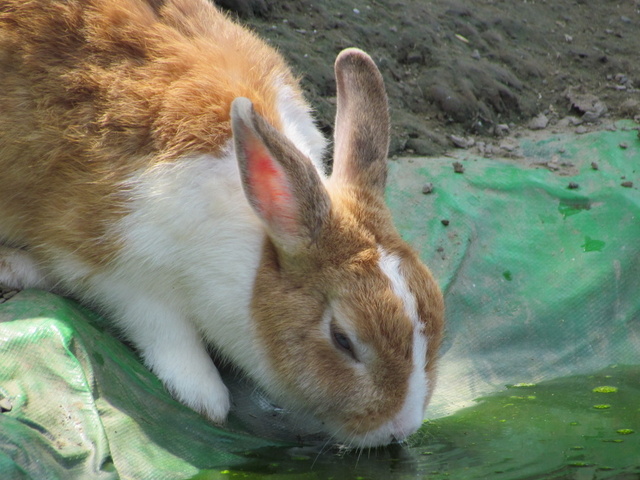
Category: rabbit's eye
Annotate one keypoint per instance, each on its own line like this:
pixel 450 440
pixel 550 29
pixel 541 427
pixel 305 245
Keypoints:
pixel 342 342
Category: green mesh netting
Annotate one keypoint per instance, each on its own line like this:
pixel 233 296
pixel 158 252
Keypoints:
pixel 539 375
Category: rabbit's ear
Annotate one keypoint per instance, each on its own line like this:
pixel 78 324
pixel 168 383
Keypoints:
pixel 281 184
pixel 362 122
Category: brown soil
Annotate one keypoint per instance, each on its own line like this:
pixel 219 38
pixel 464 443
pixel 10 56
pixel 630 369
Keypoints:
pixel 465 68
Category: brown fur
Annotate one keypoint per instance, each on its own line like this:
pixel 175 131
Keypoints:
pixel 343 267
pixel 92 90
pixel 96 90
pixel 340 267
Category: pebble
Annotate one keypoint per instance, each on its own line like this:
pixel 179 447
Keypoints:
pixel 627 184
pixel 575 121
pixel 538 123
pixel 589 105
pixel 502 129
pixel 445 222
pixel 508 145
pixel 624 145
pixel 581 129
pixel 489 150
pixel 573 185
pixel 427 188
pixel 462 142
pixel 594 165
pixel 593 115
pixel 458 167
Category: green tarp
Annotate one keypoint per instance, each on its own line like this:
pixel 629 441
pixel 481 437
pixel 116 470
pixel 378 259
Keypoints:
pixel 539 374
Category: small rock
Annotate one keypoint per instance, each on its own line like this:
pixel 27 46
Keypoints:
pixel 445 222
pixel 581 129
pixel 427 188
pixel 573 185
pixel 627 184
pixel 594 165
pixel 502 129
pixel 508 145
pixel 538 123
pixel 458 167
pixel 621 78
pixel 462 142
pixel 589 105
pixel 476 54
pixel 624 145
pixel 569 121
pixel 593 115
pixel 489 150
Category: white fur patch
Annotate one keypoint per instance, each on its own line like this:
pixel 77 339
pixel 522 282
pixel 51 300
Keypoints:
pixel 390 266
pixel 410 416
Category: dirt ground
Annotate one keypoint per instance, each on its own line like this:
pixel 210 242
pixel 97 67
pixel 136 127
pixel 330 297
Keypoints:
pixel 466 69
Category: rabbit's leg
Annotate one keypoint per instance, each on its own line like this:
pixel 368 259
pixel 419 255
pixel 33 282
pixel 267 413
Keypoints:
pixel 172 347
pixel 18 269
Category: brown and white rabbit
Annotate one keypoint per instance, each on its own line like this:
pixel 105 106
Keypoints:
pixel 159 162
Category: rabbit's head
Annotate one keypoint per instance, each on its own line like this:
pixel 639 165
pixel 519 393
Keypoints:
pixel 348 318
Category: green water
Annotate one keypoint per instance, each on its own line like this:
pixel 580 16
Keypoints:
pixel 552 430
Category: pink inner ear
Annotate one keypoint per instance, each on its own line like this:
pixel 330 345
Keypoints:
pixel 271 190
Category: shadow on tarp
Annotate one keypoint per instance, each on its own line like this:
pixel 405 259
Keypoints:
pixel 542 291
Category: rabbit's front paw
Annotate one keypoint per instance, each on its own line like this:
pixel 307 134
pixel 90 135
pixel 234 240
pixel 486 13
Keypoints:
pixel 211 399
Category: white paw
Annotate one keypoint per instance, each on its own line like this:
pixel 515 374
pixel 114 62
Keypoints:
pixel 172 347
pixel 208 396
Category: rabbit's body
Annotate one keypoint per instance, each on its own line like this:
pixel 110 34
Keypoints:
pixel 125 183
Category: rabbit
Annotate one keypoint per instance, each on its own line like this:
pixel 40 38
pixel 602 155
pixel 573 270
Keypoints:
pixel 160 164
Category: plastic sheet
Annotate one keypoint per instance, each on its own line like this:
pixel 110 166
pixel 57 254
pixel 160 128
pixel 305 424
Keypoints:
pixel 539 375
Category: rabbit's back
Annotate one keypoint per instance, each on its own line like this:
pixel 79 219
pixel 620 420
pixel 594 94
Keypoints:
pixel 97 90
